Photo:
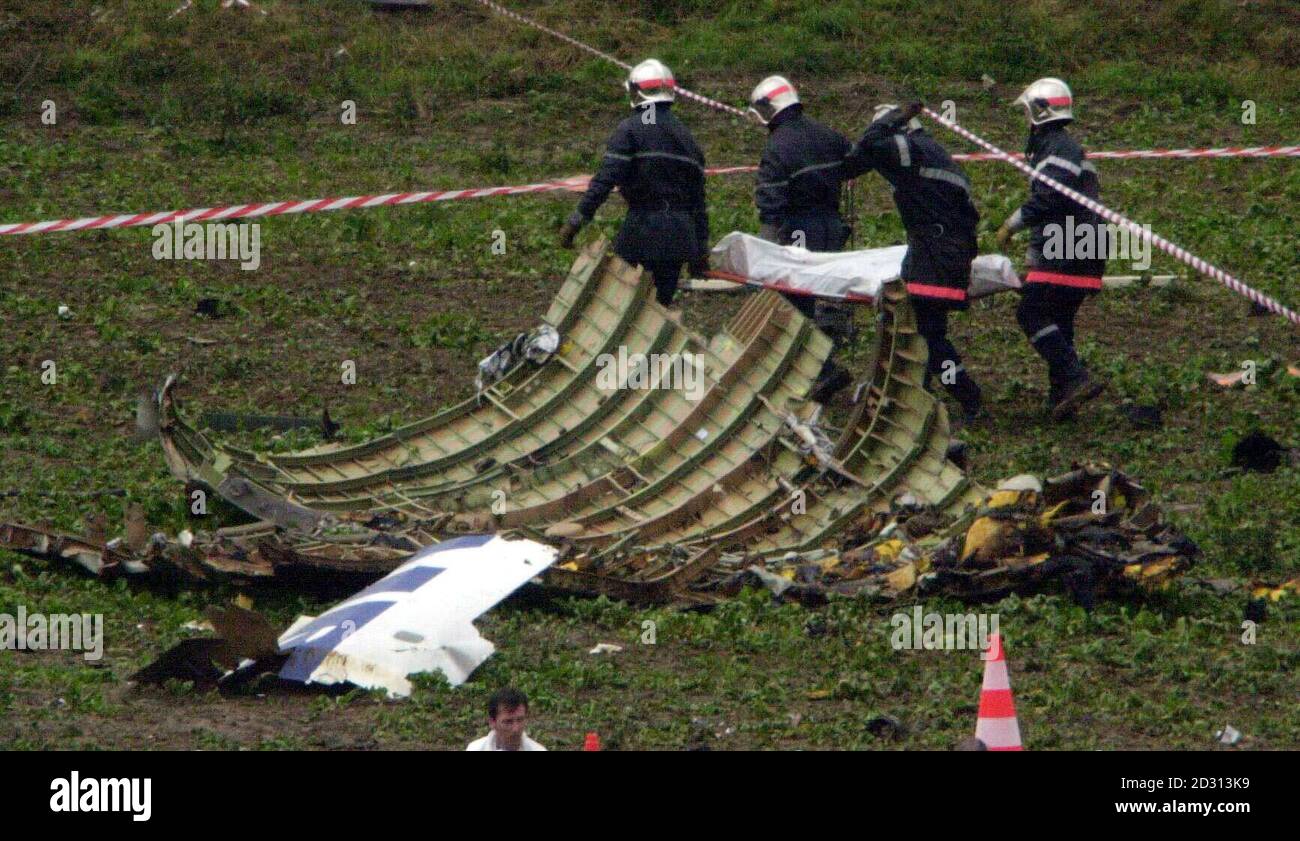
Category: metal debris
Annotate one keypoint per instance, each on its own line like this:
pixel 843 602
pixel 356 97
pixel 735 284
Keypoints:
pixel 535 347
pixel 1088 532
pixel 417 619
pixel 1229 735
pixel 649 495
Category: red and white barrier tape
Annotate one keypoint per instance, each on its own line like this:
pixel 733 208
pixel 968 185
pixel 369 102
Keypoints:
pixel 1109 215
pixel 1224 152
pixel 1128 154
pixel 575 184
pixel 277 208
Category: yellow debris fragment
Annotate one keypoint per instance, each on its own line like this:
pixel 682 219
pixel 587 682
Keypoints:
pixel 902 578
pixel 889 551
pixel 1050 514
pixel 981 533
pixel 1005 499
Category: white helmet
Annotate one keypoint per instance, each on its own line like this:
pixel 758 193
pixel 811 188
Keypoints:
pixel 651 81
pixel 1047 100
pixel 772 96
pixel 882 110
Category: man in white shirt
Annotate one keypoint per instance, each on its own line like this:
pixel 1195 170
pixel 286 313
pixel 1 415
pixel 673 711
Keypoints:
pixel 507 716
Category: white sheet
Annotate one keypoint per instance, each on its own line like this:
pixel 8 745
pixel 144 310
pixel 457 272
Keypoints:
pixel 846 275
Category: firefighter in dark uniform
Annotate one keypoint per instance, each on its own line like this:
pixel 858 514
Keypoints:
pixel 1058 279
pixel 932 194
pixel 798 197
pixel 655 163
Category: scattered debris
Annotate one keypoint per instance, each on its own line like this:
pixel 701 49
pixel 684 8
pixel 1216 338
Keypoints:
pixel 1059 536
pixel 1229 735
pixel 606 648
pixel 1022 482
pixel 241 4
pixel 65 312
pixel 536 347
pixel 1232 380
pixel 1261 453
pixel 245 647
pixel 886 727
pixel 1275 593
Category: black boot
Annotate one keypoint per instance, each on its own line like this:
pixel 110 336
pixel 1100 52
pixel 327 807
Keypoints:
pixel 1070 383
pixel 1075 393
pixel 969 396
pixel 1056 388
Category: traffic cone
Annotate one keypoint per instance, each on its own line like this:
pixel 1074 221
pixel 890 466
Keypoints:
pixel 997 727
pixel 592 742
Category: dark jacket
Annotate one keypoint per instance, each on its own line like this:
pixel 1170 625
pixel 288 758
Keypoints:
pixel 1048 213
pixel 932 194
pixel 655 163
pixel 799 179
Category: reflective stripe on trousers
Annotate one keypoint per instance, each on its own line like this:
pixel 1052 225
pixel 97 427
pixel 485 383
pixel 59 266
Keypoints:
pixel 1075 280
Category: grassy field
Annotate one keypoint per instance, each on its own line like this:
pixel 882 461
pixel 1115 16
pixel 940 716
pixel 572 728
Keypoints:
pixel 214 107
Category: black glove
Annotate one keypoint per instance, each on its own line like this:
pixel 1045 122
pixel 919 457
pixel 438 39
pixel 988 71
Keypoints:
pixel 570 229
pixel 897 118
pixel 699 267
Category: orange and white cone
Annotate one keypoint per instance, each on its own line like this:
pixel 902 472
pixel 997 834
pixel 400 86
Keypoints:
pixel 997 727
